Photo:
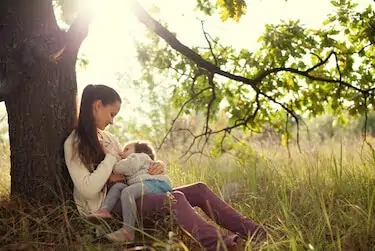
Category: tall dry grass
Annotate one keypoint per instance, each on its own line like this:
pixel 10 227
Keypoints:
pixel 321 199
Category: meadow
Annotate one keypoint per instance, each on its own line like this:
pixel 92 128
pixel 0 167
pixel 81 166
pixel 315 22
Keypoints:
pixel 320 199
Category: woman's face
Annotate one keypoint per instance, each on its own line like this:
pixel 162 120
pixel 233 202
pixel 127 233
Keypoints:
pixel 104 114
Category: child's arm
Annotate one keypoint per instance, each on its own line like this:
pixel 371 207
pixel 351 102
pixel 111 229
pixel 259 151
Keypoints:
pixel 128 166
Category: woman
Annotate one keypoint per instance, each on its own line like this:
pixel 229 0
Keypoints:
pixel 91 154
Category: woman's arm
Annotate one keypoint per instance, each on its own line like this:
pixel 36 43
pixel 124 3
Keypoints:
pixel 128 166
pixel 88 184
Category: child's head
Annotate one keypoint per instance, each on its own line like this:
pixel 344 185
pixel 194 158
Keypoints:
pixel 138 147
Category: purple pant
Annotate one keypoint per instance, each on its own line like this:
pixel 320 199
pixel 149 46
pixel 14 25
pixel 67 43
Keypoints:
pixel 200 195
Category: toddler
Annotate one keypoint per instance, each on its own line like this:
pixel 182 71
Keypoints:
pixel 136 159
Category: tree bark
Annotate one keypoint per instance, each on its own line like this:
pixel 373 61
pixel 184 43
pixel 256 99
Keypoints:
pixel 40 98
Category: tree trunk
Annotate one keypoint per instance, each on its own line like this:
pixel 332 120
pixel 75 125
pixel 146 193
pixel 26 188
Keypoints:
pixel 40 98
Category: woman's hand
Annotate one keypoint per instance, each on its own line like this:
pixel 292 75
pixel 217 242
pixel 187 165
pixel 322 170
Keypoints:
pixel 111 149
pixel 157 167
pixel 115 177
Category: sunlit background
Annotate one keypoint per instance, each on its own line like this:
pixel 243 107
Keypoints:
pixel 110 45
pixel 320 198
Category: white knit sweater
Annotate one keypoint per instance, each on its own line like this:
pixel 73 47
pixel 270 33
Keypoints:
pixel 89 188
pixel 135 168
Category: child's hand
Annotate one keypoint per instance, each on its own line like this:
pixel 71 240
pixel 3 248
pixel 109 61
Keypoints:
pixel 157 167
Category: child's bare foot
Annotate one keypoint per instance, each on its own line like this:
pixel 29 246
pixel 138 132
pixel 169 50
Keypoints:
pixel 121 235
pixel 100 214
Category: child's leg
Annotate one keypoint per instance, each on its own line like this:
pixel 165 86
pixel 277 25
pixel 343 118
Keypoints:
pixel 108 204
pixel 129 212
pixel 129 207
pixel 112 196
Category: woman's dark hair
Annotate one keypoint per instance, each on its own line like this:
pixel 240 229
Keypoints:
pixel 144 147
pixel 88 146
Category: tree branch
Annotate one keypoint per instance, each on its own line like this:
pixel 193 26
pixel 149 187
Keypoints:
pixel 206 138
pixel 251 117
pixel 212 99
pixel 164 33
pixel 287 135
pixel 178 115
pixel 226 130
pixel 364 133
pixel 74 37
pixel 306 74
pixel 209 43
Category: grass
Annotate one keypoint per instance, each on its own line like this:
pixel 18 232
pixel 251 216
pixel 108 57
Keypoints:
pixel 322 199
pixel 4 170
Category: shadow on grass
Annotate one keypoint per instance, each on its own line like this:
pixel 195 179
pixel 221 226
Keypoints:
pixel 31 226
